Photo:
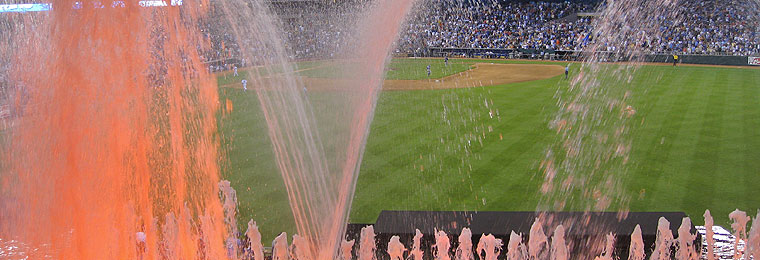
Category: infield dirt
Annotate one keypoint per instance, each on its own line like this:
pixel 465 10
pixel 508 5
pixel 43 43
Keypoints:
pixel 480 75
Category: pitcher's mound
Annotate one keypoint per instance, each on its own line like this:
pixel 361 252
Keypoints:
pixel 483 74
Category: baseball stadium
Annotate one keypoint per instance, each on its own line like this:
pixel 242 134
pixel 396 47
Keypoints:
pixel 380 129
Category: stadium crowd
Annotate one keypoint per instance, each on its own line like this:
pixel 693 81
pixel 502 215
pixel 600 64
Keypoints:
pixel 713 27
pixel 317 31
pixel 702 27
pixel 532 25
pixel 320 30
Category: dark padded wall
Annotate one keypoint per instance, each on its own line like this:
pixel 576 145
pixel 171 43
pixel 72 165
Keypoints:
pixel 663 58
pixel 701 59
pixel 581 228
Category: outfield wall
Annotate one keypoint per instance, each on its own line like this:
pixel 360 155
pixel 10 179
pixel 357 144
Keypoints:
pixel 547 54
pixel 701 59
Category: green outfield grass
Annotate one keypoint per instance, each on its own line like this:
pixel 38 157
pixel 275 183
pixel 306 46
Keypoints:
pixel 416 69
pixel 696 147
pixel 228 77
pixel 411 69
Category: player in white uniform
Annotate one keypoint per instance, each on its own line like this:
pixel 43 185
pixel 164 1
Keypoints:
pixel 234 69
pixel 245 82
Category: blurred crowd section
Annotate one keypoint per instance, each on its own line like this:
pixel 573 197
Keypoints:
pixel 322 29
pixel 494 25
pixel 711 27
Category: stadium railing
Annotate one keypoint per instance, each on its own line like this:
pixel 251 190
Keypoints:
pixel 573 55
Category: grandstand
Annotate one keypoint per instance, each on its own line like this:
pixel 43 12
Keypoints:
pixel 526 29
pixel 314 29
pixel 704 27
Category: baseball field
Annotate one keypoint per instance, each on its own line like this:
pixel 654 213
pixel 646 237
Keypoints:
pixel 472 134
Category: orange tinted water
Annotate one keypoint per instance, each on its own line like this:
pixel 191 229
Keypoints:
pixel 117 135
pixel 318 138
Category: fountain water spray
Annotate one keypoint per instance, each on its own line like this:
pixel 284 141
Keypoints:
pixel 301 249
pixel 537 241
pixel 318 135
pixel 367 244
pixel 254 241
pixel 585 167
pixel 118 135
pixel 416 253
pixel 346 247
pixel 464 249
pixel 753 242
pixel 396 249
pixel 636 249
pixel 685 242
pixel 559 247
pixel 489 247
pixel 115 153
pixel 442 246
pixel 609 247
pixel 516 248
pixel 739 226
pixel 664 242
pixel 709 235
pixel 280 249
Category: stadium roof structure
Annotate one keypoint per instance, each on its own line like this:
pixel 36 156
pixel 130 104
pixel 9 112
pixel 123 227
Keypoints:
pixel 42 7
pixel 306 1
pixel 292 1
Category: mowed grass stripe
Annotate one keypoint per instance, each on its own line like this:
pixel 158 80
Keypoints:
pixel 735 130
pixel 751 132
pixel 733 169
pixel 751 142
pixel 707 153
pixel 522 134
pixel 664 118
pixel 656 121
pixel 525 136
pixel 712 154
pixel 689 104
